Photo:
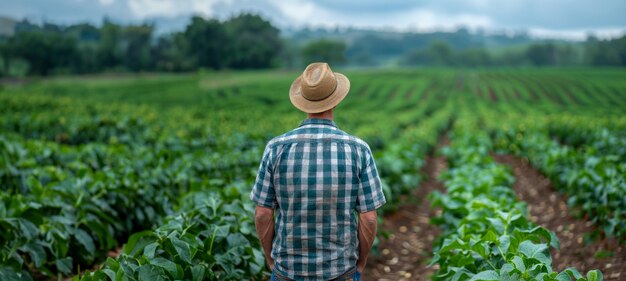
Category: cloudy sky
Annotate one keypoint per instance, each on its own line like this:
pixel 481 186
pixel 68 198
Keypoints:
pixel 553 18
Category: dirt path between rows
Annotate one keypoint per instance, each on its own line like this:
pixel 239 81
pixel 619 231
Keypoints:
pixel 407 252
pixel 549 209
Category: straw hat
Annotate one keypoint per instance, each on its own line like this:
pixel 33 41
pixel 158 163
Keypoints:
pixel 318 88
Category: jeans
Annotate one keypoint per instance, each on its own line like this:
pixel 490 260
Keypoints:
pixel 356 277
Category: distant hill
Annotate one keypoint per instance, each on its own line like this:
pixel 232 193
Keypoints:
pixel 375 47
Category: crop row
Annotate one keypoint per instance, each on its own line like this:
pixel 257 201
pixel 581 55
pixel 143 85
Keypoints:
pixel 211 237
pixel 75 185
pixel 486 232
pixel 553 88
pixel 139 260
pixel 593 176
pixel 66 206
pixel 605 136
pixel 399 164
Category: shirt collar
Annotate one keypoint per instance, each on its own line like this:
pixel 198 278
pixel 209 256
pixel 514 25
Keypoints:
pixel 318 121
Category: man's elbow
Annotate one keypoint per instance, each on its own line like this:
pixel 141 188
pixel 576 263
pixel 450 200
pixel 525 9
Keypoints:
pixel 263 215
pixel 369 218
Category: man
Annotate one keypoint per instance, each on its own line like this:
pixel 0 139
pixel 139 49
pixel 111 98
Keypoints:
pixel 315 177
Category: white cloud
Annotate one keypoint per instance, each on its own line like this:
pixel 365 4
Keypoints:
pixel 576 34
pixel 302 12
pixel 172 8
pixel 427 20
pixel 541 18
pixel 308 13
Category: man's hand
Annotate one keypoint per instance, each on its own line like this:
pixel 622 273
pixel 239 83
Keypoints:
pixel 368 222
pixel 264 221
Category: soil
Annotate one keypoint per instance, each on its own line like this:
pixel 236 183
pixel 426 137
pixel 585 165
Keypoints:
pixel 409 94
pixel 549 209
pixel 405 254
pixel 492 95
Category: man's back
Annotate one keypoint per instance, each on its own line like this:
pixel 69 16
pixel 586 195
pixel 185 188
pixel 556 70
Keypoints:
pixel 317 176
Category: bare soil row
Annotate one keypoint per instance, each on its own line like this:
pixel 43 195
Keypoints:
pixel 405 254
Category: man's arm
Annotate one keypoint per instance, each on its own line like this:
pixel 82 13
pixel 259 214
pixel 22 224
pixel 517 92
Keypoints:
pixel 367 232
pixel 264 221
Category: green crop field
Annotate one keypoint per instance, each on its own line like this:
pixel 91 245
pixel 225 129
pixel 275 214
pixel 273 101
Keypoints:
pixel 147 177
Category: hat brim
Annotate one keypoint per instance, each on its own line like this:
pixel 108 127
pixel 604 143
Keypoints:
pixel 308 106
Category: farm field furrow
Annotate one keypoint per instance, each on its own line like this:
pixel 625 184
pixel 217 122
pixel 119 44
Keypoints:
pixel 405 254
pixel 162 165
pixel 549 209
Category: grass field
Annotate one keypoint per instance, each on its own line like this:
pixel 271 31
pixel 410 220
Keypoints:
pixel 146 177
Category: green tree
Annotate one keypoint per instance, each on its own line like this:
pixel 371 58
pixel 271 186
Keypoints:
pixel 254 42
pixel 440 53
pixel 437 53
pixel 169 53
pixel 43 51
pixel 605 52
pixel 542 54
pixel 88 39
pixel 324 50
pixel 109 48
pixel 5 54
pixel 207 42
pixel 474 58
pixel 137 51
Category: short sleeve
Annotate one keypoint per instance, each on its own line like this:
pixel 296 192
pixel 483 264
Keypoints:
pixel 263 190
pixel 370 195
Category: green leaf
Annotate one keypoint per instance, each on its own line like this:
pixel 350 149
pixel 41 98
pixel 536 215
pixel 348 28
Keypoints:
pixel 481 248
pixel 547 235
pixel 504 242
pixel 197 272
pixel 453 244
pixel 488 275
pixel 489 236
pixel 554 240
pixel 151 272
pixel 28 229
pixel 150 250
pixel 460 273
pixel 508 273
pixel 110 273
pixel 85 240
pixel 570 271
pixel 182 249
pixel 137 242
pixel 222 231
pixel 531 250
pixel 36 252
pixel 497 224
pixel 168 265
pixel 64 265
pixel 120 275
pixel 519 263
pixel 594 275
pixel 8 274
pixel 563 277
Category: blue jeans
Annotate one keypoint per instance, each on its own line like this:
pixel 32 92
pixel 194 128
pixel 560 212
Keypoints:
pixel 357 276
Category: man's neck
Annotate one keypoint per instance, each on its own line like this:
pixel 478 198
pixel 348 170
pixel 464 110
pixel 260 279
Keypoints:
pixel 322 115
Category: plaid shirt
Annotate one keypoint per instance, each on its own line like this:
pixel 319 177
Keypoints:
pixel 317 176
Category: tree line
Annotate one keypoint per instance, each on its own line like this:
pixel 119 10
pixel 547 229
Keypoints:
pixel 246 41
pixel 592 52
